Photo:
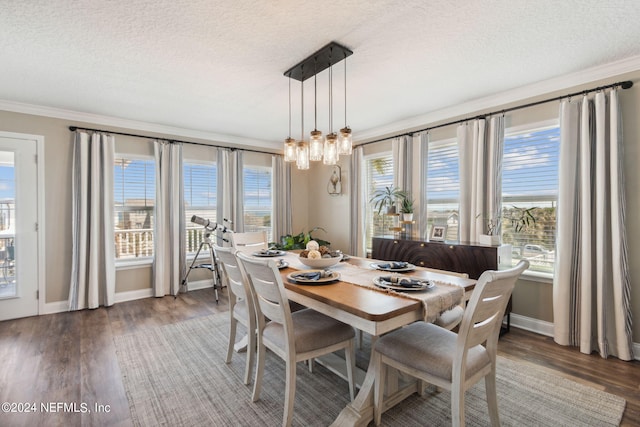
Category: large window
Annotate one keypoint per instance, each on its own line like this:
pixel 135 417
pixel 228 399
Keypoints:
pixel 378 175
pixel 258 199
pixel 200 199
pixel 443 187
pixel 134 196
pixel 530 184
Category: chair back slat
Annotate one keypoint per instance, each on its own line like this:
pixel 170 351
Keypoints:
pixel 483 316
pixel 236 282
pixel 264 278
pixel 249 242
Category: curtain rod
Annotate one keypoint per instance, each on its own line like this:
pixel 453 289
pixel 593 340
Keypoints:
pixel 624 85
pixel 74 128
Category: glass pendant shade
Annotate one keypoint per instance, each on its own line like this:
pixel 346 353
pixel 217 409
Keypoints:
pixel 290 150
pixel 345 142
pixel 330 150
pixel 302 159
pixel 315 146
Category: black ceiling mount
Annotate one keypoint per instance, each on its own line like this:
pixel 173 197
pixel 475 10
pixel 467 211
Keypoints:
pixel 329 55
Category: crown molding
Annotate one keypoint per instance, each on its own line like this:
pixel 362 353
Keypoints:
pixel 564 82
pixel 134 125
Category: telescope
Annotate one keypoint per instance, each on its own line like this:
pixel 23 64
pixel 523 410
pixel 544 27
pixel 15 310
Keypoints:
pixel 204 222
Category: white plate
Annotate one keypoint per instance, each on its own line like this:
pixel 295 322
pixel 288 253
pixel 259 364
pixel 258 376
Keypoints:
pixel 323 280
pixel 282 264
pixel 269 253
pixel 376 265
pixel 387 285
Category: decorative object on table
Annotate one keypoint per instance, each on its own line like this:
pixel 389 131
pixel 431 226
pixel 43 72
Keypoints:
pixel 437 233
pixel 334 187
pixel 314 277
pixel 393 266
pixel 398 283
pixel 407 207
pixel 298 241
pixel 317 256
pixel 386 198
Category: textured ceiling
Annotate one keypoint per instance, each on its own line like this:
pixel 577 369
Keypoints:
pixel 217 66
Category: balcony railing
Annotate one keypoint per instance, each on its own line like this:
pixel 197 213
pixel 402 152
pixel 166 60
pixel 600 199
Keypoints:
pixel 138 243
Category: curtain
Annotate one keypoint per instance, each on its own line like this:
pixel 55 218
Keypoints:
pixel 480 175
pixel 230 189
pixel 93 252
pixel 421 140
pixel 169 224
pixel 281 223
pixel 591 288
pixel 402 158
pixel 358 203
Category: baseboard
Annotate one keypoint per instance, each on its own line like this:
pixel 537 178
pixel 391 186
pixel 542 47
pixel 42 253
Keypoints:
pixel 133 295
pixel 546 328
pixel 200 284
pixel 55 307
pixel 533 325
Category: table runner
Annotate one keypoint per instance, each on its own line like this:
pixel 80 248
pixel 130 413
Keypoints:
pixel 444 296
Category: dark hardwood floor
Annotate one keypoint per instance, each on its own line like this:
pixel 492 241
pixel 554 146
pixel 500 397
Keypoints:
pixel 69 358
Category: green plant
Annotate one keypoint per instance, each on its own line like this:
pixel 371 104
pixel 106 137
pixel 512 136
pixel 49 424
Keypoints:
pixel 385 197
pixel 521 219
pixel 407 204
pixel 298 241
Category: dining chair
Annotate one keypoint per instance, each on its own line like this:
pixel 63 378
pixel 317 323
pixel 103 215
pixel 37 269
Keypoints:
pixel 249 242
pixel 294 337
pixel 448 360
pixel 241 305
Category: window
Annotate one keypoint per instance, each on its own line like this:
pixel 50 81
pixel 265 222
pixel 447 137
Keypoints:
pixel 378 171
pixel 134 196
pixel 530 182
pixel 258 199
pixel 443 187
pixel 200 199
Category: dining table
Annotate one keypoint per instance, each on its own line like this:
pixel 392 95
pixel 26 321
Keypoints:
pixel 355 299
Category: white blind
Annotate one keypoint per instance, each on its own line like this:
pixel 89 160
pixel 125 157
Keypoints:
pixel 530 180
pixel 443 187
pixel 257 198
pixel 134 198
pixel 200 199
pixel 378 175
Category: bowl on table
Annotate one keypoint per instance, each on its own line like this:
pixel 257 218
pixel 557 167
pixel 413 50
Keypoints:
pixel 321 262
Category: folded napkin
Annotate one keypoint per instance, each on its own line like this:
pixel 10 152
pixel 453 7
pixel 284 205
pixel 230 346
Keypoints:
pixel 394 265
pixel 405 282
pixel 268 252
pixel 313 275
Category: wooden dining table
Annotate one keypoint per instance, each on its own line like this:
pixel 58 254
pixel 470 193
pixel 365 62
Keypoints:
pixel 354 300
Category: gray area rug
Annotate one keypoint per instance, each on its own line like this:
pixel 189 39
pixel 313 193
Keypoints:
pixel 175 375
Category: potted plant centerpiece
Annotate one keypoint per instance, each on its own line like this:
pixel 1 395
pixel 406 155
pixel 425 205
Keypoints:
pixel 491 238
pixel 407 208
pixel 520 218
pixel 386 198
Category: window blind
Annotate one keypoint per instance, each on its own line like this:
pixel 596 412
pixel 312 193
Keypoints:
pixel 378 175
pixel 200 198
pixel 257 196
pixel 442 189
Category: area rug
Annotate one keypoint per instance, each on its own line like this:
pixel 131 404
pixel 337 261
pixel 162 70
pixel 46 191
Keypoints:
pixel 175 375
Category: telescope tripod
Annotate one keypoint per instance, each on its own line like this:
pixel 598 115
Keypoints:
pixel 212 265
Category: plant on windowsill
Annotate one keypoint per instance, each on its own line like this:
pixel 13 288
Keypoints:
pixel 385 198
pixel 520 218
pixel 298 241
pixel 407 208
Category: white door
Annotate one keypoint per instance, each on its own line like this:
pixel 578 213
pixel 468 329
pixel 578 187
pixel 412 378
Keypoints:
pixel 18 228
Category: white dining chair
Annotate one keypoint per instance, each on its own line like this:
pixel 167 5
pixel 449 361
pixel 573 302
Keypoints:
pixel 249 242
pixel 445 359
pixel 294 337
pixel 241 305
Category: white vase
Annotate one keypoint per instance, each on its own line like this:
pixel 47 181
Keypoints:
pixel 407 216
pixel 490 240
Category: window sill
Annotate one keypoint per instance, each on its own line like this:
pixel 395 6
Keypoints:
pixel 133 264
pixel 536 276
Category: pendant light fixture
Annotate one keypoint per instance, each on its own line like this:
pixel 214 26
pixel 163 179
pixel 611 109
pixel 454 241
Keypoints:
pixel 315 142
pixel 345 141
pixel 302 150
pixel 314 150
pixel 330 143
pixel 290 143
